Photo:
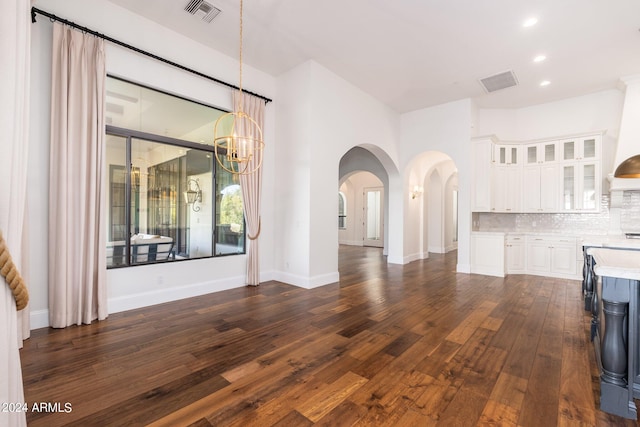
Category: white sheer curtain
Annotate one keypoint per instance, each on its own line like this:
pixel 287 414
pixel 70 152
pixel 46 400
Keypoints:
pixel 14 124
pixel 251 191
pixel 77 264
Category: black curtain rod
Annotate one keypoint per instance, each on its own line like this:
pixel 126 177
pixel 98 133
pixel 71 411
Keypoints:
pixel 53 17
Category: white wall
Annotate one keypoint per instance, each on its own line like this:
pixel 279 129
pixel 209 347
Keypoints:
pixel 320 117
pixel 144 285
pixel 445 128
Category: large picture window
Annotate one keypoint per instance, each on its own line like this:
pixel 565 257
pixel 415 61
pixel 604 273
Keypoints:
pixel 166 199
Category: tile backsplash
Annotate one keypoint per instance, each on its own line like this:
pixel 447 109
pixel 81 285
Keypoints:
pixel 567 223
pixel 630 220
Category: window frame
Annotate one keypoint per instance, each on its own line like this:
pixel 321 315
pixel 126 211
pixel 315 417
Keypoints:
pixel 129 135
pixel 342 215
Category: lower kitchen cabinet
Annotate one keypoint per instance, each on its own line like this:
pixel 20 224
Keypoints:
pixel 515 254
pixel 497 254
pixel 487 253
pixel 551 256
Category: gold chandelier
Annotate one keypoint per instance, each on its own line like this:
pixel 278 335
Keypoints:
pixel 237 138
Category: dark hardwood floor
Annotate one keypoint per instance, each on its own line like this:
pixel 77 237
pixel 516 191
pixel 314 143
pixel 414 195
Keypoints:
pixel 389 345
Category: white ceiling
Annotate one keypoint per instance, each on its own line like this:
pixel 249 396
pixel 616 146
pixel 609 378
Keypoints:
pixel 412 54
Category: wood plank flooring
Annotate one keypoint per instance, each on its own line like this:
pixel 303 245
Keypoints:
pixel 413 345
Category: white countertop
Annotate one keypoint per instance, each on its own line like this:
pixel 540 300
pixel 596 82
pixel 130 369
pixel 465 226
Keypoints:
pixel 618 263
pixel 619 242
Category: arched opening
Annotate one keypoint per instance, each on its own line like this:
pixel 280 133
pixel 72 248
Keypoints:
pixel 381 181
pixel 363 222
pixel 435 217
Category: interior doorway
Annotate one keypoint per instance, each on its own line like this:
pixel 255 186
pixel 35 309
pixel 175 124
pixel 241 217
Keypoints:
pixel 373 217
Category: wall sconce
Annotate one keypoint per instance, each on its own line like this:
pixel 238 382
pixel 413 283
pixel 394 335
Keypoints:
pixel 417 191
pixel 191 196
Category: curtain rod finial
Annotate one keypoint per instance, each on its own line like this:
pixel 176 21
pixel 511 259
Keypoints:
pixel 33 16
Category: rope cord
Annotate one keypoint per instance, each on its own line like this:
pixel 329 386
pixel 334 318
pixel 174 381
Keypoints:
pixel 12 276
pixel 250 237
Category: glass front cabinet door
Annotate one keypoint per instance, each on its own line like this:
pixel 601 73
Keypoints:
pixel 580 186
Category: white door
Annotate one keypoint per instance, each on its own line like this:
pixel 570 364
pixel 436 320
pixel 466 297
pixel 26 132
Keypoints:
pixel 373 220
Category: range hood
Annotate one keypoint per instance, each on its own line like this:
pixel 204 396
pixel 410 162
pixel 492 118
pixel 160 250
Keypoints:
pixel 627 159
pixel 630 168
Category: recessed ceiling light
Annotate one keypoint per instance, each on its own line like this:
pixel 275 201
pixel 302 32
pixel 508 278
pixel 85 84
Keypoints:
pixel 530 22
pixel 539 58
pixel 545 83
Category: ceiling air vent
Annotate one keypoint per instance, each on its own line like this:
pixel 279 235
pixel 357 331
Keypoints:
pixel 200 7
pixel 499 81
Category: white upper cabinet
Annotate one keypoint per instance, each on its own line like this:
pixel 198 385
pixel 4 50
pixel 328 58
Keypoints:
pixel 543 152
pixel 581 186
pixel 562 175
pixel 506 189
pixel 482 152
pixel 583 148
pixel 506 179
pixel 507 155
pixel 540 188
pixel 581 177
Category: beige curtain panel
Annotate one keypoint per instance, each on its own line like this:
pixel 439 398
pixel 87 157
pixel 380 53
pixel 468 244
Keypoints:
pixel 251 186
pixel 77 263
pixel 15 30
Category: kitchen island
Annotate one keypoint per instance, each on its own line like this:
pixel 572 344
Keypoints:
pixel 612 242
pixel 615 304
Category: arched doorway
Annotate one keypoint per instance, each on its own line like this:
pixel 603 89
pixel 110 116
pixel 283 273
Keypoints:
pixel 436 215
pixel 361 210
pixel 372 159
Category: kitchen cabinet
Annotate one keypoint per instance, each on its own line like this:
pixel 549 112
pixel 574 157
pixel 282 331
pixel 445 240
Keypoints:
pixel 487 253
pixel 581 148
pixel 482 152
pixel 560 175
pixel 540 188
pixel 497 254
pixel 555 256
pixel 581 186
pixel 506 155
pixel 515 254
pixel 506 189
pixel 539 153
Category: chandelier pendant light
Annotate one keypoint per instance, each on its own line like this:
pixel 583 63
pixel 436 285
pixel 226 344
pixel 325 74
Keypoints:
pixel 237 138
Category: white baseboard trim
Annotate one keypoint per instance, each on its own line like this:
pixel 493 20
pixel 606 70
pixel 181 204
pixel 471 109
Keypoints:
pixel 451 248
pixel 160 296
pixel 487 271
pixel 437 249
pixel 410 258
pixel 351 242
pixel 39 319
pixel 305 281
pixel 463 268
